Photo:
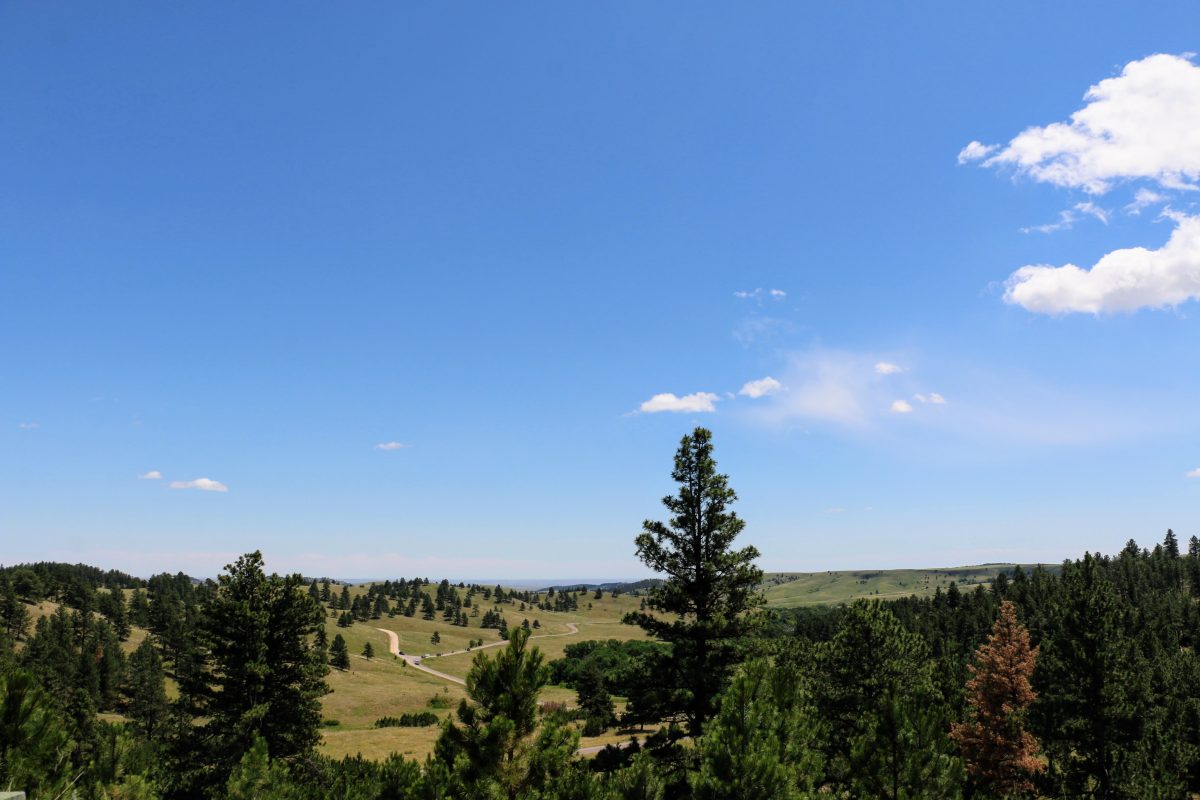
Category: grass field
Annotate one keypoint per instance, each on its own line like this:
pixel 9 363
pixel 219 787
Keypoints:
pixel 385 686
pixel 794 589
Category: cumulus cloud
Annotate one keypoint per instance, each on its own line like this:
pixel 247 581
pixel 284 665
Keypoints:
pixel 152 475
pixel 887 368
pixel 697 402
pixel 761 387
pixel 1123 280
pixel 1195 473
pixel 203 484
pixel 901 407
pixel 1142 124
pixel 975 151
pixel 391 446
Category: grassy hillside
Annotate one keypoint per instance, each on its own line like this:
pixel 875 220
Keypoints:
pixel 793 589
pixel 385 686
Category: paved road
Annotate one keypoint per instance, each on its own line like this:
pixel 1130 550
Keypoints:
pixel 417 661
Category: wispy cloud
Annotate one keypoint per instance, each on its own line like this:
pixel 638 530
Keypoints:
pixel 887 368
pixel 756 329
pixel 933 397
pixel 1195 473
pixel 392 446
pixel 27 426
pixel 1068 217
pixel 760 388
pixel 697 402
pixel 203 484
pixel 826 386
pixel 761 294
pixel 152 475
pixel 1144 198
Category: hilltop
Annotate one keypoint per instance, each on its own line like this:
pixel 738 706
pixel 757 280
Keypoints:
pixel 795 589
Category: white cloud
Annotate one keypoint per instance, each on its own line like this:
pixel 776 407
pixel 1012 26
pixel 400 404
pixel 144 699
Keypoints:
pixel 759 294
pixel 1123 280
pixel 761 387
pixel 1068 217
pixel 835 510
pixel 901 407
pixel 837 387
pixel 1143 198
pixel 391 446
pixel 1195 473
pixel 932 397
pixel 1144 123
pixel 697 402
pixel 203 484
pixel 27 426
pixel 152 475
pixel 1093 210
pixel 975 151
pixel 887 368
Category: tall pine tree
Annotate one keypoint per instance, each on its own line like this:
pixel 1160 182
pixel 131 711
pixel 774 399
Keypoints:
pixel 707 604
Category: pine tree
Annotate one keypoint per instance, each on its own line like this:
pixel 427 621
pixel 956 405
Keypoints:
pixel 493 747
pixel 1001 755
pixel 339 657
pixel 594 701
pixel 264 675
pixel 146 689
pixel 14 617
pixel 874 689
pixel 1171 544
pixel 1092 681
pixel 709 599
pixel 436 638
pixel 760 743
pixel 139 609
pixel 34 739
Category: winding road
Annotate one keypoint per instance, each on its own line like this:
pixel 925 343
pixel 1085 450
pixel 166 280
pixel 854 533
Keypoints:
pixel 416 661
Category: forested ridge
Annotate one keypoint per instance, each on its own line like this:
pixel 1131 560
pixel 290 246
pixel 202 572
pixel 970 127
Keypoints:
pixel 1077 682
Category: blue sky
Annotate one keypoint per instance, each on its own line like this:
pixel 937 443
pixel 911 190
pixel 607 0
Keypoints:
pixel 241 247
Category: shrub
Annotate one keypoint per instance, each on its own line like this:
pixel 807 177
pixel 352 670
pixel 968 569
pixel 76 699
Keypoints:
pixel 420 719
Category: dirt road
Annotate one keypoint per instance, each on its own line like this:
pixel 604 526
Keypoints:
pixel 417 661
